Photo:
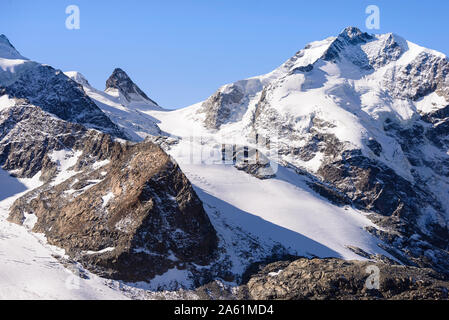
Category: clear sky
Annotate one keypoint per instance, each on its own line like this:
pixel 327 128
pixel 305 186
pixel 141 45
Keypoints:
pixel 180 52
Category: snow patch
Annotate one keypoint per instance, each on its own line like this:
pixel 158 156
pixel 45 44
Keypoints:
pixel 106 198
pixel 109 249
pixel 65 159
pixel 6 102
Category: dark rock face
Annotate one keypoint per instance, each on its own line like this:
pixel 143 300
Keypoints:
pixel 336 279
pixel 28 134
pixel 153 222
pixel 54 92
pixel 371 185
pixel 121 81
pixel 426 74
pixel 437 115
pixel 400 207
pixel 126 211
pixel 375 147
pixel 221 106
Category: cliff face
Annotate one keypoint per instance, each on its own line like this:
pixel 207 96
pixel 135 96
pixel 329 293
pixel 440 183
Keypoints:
pixel 124 210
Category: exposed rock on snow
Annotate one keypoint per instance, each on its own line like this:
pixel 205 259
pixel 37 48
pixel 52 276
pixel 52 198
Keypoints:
pixel 120 81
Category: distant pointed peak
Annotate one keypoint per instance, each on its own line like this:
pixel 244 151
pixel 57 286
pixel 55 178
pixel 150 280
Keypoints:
pixel 120 81
pixel 117 74
pixel 7 50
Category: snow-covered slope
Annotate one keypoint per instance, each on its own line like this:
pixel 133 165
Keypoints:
pixel 366 114
pixel 284 209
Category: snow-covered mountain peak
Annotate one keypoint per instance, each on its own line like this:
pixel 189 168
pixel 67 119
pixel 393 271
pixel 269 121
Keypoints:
pixel 344 87
pixel 351 47
pixel 368 114
pixel 120 84
pixel 354 35
pixel 78 77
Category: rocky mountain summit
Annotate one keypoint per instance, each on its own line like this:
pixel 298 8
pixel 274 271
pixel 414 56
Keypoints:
pixel 120 81
pixel 365 115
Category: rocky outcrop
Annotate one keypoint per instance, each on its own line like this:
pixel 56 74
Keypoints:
pixel 221 106
pixel 125 211
pixel 427 73
pixel 28 135
pixel 336 279
pixel 131 219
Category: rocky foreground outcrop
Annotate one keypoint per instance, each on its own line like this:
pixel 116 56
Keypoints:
pixel 345 280
pixel 125 211
pixel 333 279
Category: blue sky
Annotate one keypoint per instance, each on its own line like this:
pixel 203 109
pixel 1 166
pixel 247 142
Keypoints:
pixel 180 52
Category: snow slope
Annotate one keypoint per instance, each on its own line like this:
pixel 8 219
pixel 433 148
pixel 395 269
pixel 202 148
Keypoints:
pixel 28 267
pixel 283 209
